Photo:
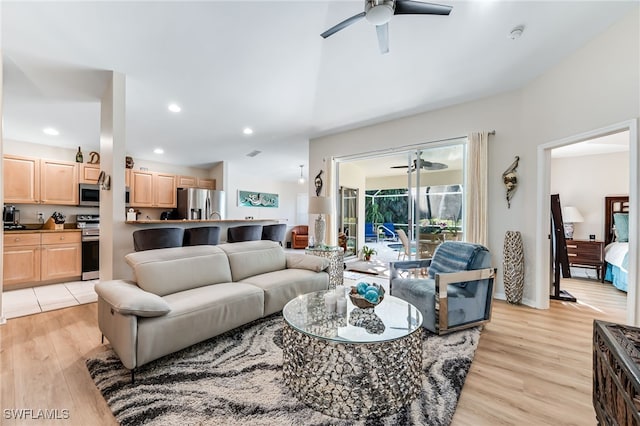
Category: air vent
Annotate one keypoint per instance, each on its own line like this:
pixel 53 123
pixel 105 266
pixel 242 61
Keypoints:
pixel 253 153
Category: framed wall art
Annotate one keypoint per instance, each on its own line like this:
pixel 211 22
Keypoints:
pixel 257 199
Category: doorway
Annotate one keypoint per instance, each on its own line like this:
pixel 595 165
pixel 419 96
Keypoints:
pixel 591 225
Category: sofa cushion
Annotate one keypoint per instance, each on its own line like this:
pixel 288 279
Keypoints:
pixel 306 261
pixel 281 286
pixel 128 299
pixel 170 270
pixel 251 258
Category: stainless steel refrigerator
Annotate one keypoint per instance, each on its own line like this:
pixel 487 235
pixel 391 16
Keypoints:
pixel 201 204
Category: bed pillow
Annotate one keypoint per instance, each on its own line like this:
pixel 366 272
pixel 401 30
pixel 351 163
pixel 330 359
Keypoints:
pixel 621 222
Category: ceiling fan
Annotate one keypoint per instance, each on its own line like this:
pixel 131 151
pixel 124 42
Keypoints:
pixel 424 165
pixel 379 13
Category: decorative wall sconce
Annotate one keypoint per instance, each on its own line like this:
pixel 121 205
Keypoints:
pixel 510 179
pixel 317 181
pixel 104 180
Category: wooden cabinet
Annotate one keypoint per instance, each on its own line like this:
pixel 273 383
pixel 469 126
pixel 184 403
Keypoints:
pixel 38 181
pixel 35 257
pixel 152 189
pixel 587 254
pixel 21 260
pixel 21 180
pixel 88 173
pixel 195 182
pixel 58 182
pixel 61 255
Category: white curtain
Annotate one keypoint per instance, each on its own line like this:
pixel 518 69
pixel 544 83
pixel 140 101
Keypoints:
pixel 476 188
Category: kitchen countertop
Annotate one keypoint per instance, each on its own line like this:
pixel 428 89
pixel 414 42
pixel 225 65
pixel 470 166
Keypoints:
pixel 138 222
pixel 31 231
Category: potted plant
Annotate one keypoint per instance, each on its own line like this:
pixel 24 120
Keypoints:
pixel 367 252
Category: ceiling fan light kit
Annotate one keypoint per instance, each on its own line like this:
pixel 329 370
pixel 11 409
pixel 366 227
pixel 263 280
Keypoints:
pixel 380 12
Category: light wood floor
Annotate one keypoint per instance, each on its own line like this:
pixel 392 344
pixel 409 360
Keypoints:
pixel 532 367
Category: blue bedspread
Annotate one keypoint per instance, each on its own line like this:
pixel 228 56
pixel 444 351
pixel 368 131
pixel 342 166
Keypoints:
pixel 617 276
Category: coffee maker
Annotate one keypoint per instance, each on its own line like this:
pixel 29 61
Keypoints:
pixel 11 217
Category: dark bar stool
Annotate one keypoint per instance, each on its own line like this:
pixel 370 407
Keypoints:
pixel 274 232
pixel 237 234
pixel 205 235
pixel 150 239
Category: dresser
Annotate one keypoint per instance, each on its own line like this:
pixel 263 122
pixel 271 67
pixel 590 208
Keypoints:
pixel 587 254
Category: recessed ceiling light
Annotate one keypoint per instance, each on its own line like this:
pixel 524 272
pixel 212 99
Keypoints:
pixel 247 131
pixel 51 131
pixel 174 108
pixel 158 151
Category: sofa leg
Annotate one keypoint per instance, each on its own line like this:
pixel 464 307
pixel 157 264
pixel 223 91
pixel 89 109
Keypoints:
pixel 102 339
pixel 133 377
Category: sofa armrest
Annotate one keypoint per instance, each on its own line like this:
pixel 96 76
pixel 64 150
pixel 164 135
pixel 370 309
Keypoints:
pixel 306 261
pixel 128 299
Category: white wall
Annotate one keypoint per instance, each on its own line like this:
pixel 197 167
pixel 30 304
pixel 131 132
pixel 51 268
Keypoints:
pixel 584 181
pixel 595 87
pixel 238 178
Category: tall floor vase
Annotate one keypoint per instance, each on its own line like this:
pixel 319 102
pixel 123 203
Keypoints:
pixel 513 266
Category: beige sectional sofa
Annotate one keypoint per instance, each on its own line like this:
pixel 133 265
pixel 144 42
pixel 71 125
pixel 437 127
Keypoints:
pixel 181 296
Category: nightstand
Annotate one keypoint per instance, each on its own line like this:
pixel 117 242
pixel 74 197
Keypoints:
pixel 587 254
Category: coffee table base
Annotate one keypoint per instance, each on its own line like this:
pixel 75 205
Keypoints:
pixel 352 381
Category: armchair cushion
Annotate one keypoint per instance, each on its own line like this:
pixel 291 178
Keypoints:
pixel 129 299
pixel 457 256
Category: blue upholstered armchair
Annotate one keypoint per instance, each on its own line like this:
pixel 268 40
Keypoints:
pixel 458 290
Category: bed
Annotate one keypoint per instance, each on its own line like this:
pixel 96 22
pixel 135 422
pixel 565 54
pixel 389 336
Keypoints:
pixel 616 237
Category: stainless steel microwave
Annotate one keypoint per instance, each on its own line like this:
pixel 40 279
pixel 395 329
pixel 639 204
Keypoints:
pixel 89 195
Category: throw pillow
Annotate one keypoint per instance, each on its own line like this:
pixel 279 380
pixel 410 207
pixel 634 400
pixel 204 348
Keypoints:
pixel 621 223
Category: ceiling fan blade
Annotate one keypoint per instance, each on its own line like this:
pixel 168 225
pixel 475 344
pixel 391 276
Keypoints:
pixel 405 7
pixel 383 37
pixel 342 25
pixel 399 167
pixel 428 165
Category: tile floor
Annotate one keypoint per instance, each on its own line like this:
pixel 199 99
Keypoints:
pixel 27 301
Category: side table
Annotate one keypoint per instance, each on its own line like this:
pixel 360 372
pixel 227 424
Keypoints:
pixel 336 258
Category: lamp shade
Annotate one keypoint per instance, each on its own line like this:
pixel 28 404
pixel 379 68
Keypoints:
pixel 571 214
pixel 320 205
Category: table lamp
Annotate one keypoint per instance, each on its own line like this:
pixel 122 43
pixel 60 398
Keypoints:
pixel 320 206
pixel 570 215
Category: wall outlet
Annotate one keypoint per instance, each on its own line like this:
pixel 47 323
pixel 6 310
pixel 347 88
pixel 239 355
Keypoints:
pixel 40 216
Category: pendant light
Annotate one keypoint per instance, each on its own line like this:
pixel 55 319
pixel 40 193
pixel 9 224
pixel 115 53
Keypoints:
pixel 301 178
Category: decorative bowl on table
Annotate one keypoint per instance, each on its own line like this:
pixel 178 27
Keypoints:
pixel 365 295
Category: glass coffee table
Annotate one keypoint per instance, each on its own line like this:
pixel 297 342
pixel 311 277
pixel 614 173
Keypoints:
pixel 367 362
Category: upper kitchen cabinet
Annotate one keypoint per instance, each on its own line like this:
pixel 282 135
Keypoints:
pixel 38 181
pixel 89 173
pixel 21 180
pixel 196 182
pixel 152 189
pixel 58 182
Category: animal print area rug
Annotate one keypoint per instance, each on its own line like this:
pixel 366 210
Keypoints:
pixel 236 379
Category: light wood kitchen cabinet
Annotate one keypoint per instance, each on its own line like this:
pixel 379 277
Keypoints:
pixel 58 182
pixel 195 182
pixel 206 183
pixel 89 173
pixel 41 257
pixel 21 259
pixel 152 189
pixel 61 255
pixel 39 181
pixel 21 180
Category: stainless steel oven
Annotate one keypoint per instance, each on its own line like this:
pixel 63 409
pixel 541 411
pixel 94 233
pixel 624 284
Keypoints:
pixel 88 195
pixel 90 225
